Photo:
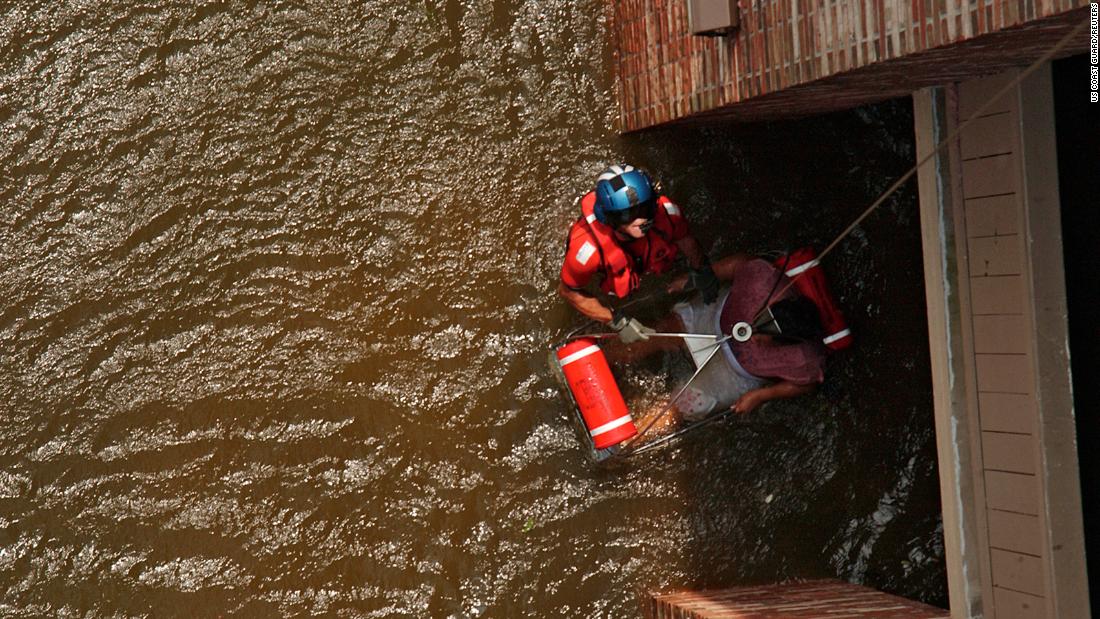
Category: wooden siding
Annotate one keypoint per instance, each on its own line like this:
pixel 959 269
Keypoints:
pixel 1001 340
pixel 807 600
pixel 797 57
pixel 993 274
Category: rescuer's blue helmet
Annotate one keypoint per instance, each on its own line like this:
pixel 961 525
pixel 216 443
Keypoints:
pixel 623 194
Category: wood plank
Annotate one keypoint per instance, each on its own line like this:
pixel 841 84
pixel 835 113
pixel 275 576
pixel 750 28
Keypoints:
pixel 1016 532
pixel 1019 572
pixel 1012 492
pixel 974 93
pixel 988 135
pixel 1015 605
pixel 1001 334
pixel 1062 484
pixel 932 113
pixel 1008 412
pixel 991 176
pixel 1004 373
pixel 995 255
pixel 992 216
pixel 1016 453
pixel 997 295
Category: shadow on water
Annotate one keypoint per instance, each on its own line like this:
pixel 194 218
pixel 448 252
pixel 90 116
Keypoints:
pixel 841 483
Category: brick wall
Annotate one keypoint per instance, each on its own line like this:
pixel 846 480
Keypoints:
pixel 816 599
pixel 800 57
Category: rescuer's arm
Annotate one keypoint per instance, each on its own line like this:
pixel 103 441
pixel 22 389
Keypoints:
pixel 692 251
pixel 779 391
pixel 724 269
pixel 585 303
pixel 629 329
pixel 702 276
pixel 581 264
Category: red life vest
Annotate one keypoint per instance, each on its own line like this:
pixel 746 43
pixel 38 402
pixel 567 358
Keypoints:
pixel 622 269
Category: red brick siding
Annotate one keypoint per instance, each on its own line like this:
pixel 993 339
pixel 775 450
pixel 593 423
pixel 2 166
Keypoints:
pixel 799 57
pixel 808 600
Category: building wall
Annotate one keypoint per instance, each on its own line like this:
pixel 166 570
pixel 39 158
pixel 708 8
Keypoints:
pixel 815 599
pixel 997 324
pixel 793 57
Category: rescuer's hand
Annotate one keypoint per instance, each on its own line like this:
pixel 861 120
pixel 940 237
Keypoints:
pixel 705 281
pixel 629 329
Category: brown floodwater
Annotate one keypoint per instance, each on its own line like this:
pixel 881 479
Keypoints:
pixel 276 293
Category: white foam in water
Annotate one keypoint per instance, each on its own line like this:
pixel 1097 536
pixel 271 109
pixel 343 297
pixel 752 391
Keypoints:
pixel 194 574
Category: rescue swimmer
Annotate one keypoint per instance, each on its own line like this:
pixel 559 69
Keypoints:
pixel 626 229
pixel 781 322
pixel 774 321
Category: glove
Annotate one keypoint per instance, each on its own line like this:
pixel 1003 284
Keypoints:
pixel 629 329
pixel 705 281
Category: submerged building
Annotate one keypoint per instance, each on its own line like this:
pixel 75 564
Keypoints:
pixel 1003 310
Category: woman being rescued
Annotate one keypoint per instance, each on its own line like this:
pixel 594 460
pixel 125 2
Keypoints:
pixel 742 375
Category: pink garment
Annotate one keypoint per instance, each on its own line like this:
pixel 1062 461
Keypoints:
pixel 802 363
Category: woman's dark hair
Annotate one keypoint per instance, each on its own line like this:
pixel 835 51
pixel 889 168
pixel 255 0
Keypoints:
pixel 794 319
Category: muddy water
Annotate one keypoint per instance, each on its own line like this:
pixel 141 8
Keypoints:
pixel 277 286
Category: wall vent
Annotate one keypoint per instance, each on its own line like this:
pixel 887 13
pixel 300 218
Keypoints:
pixel 712 17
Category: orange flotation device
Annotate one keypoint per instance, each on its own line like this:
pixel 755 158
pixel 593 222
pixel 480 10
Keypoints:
pixel 803 267
pixel 597 395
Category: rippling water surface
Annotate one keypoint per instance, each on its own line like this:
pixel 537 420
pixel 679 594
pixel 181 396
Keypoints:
pixel 276 291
